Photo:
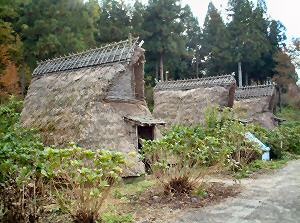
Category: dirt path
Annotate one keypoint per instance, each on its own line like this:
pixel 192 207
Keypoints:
pixel 271 198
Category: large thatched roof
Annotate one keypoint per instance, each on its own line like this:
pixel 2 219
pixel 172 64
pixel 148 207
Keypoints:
pixel 223 80
pixel 115 52
pixel 256 91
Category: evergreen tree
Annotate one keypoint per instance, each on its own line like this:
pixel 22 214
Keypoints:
pixel 215 43
pixel 248 34
pixel 164 31
pixel 53 28
pixel 264 66
pixel 138 19
pixel 114 22
pixel 193 36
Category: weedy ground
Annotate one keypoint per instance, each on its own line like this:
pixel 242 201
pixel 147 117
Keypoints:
pixel 141 199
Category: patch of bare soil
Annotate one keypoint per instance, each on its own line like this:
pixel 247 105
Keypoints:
pixel 155 206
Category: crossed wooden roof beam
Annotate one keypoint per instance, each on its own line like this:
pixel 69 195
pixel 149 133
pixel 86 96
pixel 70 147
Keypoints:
pixel 114 52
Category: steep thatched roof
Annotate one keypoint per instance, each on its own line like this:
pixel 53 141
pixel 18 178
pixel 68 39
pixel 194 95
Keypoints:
pixel 254 91
pixel 84 98
pixel 115 52
pixel 223 80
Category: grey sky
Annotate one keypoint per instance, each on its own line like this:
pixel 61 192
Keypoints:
pixel 287 11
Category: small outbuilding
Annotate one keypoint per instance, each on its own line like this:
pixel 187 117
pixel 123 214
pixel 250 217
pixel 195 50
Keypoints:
pixel 185 101
pixel 93 98
pixel 256 104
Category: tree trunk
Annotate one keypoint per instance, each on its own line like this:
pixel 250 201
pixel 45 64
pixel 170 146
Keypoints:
pixel 197 68
pixel 246 79
pixel 240 74
pixel 156 71
pixel 161 67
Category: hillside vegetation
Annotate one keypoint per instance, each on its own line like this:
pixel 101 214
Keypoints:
pixel 77 182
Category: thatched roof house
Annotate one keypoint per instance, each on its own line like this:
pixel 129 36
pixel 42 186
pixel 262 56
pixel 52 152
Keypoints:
pixel 94 98
pixel 185 101
pixel 257 104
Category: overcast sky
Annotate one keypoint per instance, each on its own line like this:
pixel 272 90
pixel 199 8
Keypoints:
pixel 287 11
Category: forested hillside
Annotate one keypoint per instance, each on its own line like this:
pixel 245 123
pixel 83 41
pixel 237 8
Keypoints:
pixel 176 46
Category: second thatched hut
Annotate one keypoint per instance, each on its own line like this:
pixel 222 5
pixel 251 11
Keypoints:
pixel 257 104
pixel 185 101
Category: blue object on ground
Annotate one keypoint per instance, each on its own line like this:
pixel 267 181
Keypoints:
pixel 263 147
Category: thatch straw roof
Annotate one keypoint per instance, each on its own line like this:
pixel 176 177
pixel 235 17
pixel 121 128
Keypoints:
pixel 256 91
pixel 256 104
pixel 223 80
pixel 115 52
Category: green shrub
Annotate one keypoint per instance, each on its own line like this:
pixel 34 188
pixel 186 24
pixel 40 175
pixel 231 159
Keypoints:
pixel 82 179
pixel 19 152
pixel 290 114
pixel 10 114
pixel 258 165
pixel 285 138
pixel 185 154
pixel 79 178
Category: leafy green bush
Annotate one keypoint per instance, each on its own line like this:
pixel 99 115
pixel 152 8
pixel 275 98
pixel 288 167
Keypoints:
pixel 10 114
pixel 19 149
pixel 259 165
pixel 285 138
pixel 82 179
pixel 79 178
pixel 185 154
pixel 290 114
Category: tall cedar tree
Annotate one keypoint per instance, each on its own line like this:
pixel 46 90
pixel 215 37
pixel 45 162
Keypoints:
pixel 215 46
pixel 54 28
pixel 248 34
pixel 138 18
pixel 193 35
pixel 164 30
pixel 114 22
